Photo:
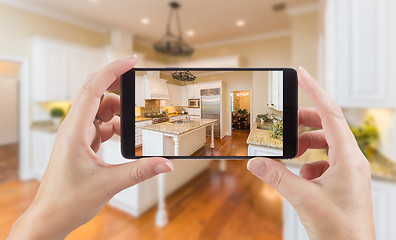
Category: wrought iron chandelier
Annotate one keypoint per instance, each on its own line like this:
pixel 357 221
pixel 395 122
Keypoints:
pixel 170 44
pixel 183 76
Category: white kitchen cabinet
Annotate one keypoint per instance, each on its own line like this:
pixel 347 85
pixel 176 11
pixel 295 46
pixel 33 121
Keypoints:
pixel 43 142
pixel 275 90
pixel 175 96
pixel 359 53
pixel 184 96
pixel 384 197
pixel 139 92
pixel 60 69
pixel 194 91
pixel 254 150
pixel 138 131
pixel 194 111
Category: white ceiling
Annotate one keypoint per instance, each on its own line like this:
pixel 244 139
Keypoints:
pixel 211 20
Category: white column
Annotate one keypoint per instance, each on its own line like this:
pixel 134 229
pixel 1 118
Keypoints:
pixel 212 143
pixel 222 165
pixel 176 139
pixel 161 218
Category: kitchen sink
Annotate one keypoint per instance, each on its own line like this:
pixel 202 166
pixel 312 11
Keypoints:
pixel 178 122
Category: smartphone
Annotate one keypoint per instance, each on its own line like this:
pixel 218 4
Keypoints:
pixel 209 113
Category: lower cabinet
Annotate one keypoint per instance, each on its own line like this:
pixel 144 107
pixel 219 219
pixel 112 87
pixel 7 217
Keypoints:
pixel 138 131
pixel 254 150
pixel 384 198
pixel 43 142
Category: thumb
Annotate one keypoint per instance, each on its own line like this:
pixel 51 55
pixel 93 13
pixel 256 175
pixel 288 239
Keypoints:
pixel 275 174
pixel 128 174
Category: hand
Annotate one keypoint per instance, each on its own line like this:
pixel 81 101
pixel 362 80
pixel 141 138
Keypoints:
pixel 332 198
pixel 77 183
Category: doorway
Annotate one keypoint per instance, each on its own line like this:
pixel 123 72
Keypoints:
pixel 9 121
pixel 240 111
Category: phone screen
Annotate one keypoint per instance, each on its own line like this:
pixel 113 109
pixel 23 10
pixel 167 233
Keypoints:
pixel 201 113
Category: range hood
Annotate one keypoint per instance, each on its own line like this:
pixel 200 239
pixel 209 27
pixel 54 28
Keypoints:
pixel 155 87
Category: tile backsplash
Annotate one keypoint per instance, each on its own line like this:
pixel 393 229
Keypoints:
pixel 151 107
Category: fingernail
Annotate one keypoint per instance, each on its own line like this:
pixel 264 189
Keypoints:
pixel 135 56
pixel 304 71
pixel 164 167
pixel 257 167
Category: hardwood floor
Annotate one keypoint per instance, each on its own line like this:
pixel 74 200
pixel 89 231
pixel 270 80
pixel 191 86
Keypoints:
pixel 9 163
pixel 234 145
pixel 214 205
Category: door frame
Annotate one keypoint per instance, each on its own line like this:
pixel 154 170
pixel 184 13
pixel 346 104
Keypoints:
pixel 24 113
pixel 230 107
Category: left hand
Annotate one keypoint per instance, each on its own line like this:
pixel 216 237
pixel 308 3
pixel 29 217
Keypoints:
pixel 77 183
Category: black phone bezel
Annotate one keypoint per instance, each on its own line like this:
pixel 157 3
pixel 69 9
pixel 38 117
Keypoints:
pixel 290 112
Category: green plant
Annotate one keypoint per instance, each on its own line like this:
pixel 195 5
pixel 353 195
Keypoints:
pixel 242 112
pixel 367 134
pixel 264 117
pixel 57 112
pixel 276 131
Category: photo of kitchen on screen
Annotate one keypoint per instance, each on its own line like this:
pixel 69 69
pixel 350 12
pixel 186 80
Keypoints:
pixel 209 113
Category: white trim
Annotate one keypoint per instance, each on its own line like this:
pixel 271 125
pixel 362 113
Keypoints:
pixel 142 42
pixel 303 9
pixel 251 38
pixel 30 7
pixel 257 37
pixel 25 171
pixel 230 107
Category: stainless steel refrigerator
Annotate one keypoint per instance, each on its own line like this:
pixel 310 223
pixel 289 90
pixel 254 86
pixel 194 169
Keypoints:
pixel 210 108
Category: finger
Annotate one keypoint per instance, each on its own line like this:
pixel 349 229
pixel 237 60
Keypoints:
pixel 314 170
pixel 275 174
pixel 88 99
pixel 108 129
pixel 311 140
pixel 128 174
pixel 332 118
pixel 96 140
pixel 108 107
pixel 309 117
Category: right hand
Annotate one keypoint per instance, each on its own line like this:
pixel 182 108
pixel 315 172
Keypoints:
pixel 332 198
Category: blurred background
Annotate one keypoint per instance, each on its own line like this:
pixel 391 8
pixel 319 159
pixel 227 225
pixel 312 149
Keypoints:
pixel 47 48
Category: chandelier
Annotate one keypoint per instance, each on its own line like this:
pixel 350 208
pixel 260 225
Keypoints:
pixel 171 44
pixel 183 76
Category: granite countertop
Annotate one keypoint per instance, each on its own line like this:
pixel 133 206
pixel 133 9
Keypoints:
pixel 382 168
pixel 45 126
pixel 141 119
pixel 263 138
pixel 178 129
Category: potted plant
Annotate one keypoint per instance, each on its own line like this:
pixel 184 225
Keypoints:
pixel 57 115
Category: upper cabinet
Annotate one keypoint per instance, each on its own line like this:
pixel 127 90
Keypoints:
pixel 194 91
pixel 359 52
pixel 139 92
pixel 175 96
pixel 275 90
pixel 184 96
pixel 60 69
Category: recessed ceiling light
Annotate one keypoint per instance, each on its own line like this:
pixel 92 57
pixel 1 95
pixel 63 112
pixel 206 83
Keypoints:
pixel 240 23
pixel 94 0
pixel 190 33
pixel 145 20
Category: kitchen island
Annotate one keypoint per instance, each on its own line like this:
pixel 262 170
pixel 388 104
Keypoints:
pixel 177 138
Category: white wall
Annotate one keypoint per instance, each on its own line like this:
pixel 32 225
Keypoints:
pixel 8 110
